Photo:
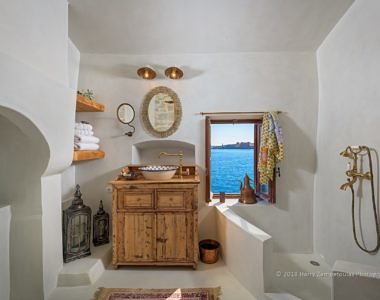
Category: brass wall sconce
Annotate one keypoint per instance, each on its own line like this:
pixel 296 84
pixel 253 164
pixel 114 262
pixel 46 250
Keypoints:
pixel 146 73
pixel 173 73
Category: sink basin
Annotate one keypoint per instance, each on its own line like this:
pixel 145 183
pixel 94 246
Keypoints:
pixel 158 172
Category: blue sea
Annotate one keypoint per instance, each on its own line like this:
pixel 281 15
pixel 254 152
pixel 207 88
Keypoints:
pixel 228 167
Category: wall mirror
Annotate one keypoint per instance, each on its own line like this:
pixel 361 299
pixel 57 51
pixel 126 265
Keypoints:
pixel 126 114
pixel 161 112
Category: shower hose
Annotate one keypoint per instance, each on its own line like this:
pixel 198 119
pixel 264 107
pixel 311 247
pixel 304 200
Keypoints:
pixel 374 250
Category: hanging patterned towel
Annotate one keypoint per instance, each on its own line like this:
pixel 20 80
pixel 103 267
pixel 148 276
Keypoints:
pixel 271 148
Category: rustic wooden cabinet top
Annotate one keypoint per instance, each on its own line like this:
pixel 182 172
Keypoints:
pixel 192 178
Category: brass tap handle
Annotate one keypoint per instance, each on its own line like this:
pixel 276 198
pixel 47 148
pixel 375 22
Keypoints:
pixel 180 156
pixel 353 152
pixel 351 173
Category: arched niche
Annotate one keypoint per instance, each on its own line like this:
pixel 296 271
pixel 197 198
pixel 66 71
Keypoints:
pixel 148 151
pixel 24 156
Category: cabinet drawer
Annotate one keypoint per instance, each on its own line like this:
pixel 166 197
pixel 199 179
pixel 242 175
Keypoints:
pixel 174 199
pixel 137 199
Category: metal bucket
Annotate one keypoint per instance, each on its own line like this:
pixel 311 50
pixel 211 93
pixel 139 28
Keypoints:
pixel 209 251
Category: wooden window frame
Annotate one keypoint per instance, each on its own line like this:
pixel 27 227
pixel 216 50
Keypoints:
pixel 271 195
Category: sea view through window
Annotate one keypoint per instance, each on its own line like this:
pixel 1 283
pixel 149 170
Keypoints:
pixel 232 156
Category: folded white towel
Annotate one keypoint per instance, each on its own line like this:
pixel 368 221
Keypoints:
pixel 80 132
pixel 84 126
pixel 86 139
pixel 86 146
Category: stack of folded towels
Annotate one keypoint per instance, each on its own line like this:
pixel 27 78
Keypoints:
pixel 84 138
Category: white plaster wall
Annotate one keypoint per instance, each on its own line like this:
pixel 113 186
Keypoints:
pixel 34 73
pixel 51 229
pixel 20 187
pixel 35 33
pixel 5 224
pixel 251 262
pixel 68 175
pixel 349 67
pixel 34 83
pixel 49 104
pixel 149 152
pixel 73 61
pixel 215 82
pixel 68 183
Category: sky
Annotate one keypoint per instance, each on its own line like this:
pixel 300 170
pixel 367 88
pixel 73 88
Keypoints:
pixel 222 134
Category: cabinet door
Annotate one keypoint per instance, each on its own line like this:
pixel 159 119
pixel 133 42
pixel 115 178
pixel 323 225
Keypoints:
pixel 137 237
pixel 175 240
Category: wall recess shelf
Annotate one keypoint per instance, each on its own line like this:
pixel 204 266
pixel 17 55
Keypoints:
pixel 80 155
pixel 85 104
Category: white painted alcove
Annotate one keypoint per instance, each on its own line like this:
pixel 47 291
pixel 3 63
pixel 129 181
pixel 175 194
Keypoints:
pixel 24 156
pixel 147 152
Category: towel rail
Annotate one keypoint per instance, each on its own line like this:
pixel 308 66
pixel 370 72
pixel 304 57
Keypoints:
pixel 236 113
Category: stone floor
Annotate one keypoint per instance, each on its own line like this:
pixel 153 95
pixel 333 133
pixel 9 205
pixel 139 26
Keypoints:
pixel 160 277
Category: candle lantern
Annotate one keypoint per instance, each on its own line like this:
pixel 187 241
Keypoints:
pixel 76 229
pixel 101 226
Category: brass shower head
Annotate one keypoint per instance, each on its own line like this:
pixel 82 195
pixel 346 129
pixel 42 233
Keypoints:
pixel 352 151
pixel 346 153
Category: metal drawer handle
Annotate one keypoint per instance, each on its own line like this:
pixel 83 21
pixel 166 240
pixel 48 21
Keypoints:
pixel 161 240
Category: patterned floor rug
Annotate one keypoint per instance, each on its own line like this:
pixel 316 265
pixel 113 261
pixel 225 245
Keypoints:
pixel 158 294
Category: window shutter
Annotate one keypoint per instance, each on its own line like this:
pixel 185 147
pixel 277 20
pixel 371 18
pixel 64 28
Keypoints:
pixel 208 157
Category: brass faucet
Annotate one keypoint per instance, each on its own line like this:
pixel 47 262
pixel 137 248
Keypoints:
pixel 349 183
pixel 353 152
pixel 180 156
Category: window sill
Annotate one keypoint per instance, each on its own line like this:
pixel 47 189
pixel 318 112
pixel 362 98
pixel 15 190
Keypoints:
pixel 235 202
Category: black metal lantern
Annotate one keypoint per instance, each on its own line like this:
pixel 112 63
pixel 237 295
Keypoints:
pixel 101 227
pixel 76 229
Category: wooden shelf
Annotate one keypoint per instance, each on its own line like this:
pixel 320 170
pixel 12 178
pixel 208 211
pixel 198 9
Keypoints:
pixel 85 104
pixel 80 155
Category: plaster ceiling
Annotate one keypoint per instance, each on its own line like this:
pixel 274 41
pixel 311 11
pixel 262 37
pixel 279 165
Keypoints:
pixel 201 26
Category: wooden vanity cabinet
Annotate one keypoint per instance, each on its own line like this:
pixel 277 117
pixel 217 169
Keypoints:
pixel 155 223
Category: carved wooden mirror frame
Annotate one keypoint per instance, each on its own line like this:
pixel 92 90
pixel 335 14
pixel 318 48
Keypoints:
pixel 177 111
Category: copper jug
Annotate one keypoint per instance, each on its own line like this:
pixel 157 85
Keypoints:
pixel 247 193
